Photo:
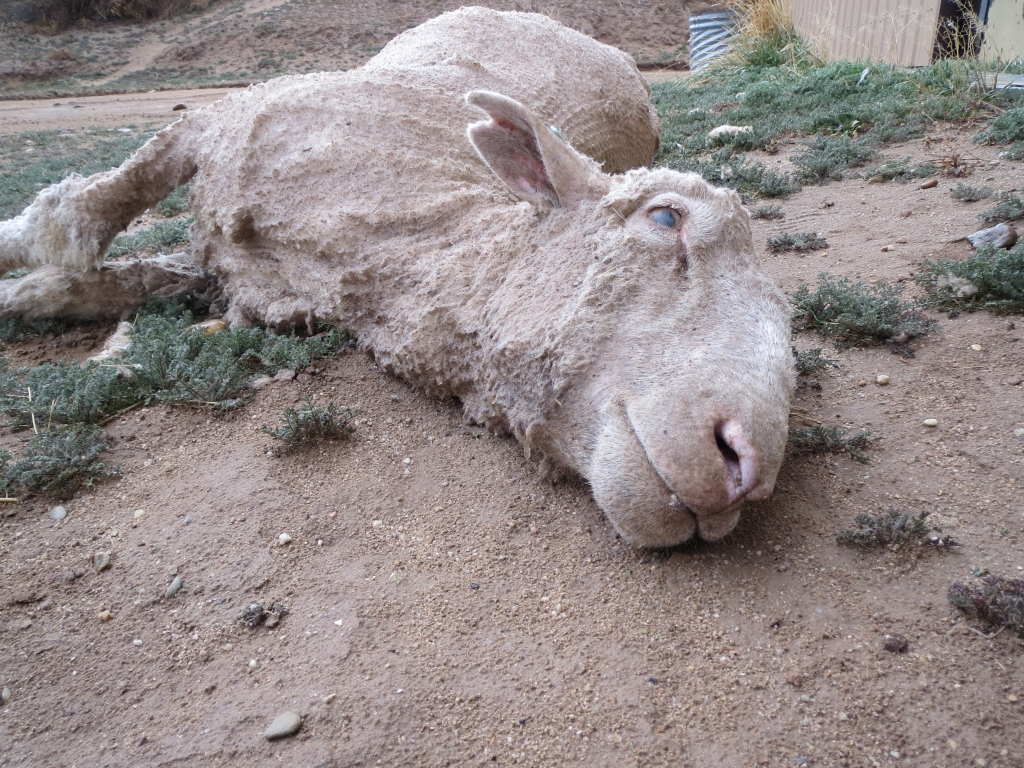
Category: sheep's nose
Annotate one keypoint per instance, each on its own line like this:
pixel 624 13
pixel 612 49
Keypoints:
pixel 741 461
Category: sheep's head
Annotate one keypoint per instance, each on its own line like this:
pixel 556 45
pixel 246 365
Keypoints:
pixel 671 362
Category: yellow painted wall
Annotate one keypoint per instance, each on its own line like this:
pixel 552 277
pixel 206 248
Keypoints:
pixel 1004 36
pixel 891 31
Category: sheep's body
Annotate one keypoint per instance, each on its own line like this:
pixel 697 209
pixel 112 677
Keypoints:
pixel 586 313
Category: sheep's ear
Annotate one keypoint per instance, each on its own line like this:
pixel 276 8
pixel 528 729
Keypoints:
pixel 538 164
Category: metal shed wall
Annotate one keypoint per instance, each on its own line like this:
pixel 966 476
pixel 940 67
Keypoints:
pixel 1004 35
pixel 892 31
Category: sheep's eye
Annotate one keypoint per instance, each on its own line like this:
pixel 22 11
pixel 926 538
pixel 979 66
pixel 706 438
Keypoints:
pixel 666 217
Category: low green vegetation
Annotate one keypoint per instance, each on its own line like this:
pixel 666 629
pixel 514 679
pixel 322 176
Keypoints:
pixel 1009 207
pixel 996 601
pixel 901 171
pixel 990 278
pixel 894 529
pixel 169 361
pixel 773 84
pixel 770 212
pixel 31 161
pixel 822 439
pixel 825 158
pixel 59 461
pixel 313 422
pixel 175 203
pixel 968 194
pixel 162 237
pixel 857 312
pixel 796 241
pixel 811 361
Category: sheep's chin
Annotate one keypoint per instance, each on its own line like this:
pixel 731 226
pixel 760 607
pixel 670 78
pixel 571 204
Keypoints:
pixel 632 494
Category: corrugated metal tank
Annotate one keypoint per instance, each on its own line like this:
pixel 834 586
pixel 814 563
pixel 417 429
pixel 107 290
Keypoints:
pixel 710 36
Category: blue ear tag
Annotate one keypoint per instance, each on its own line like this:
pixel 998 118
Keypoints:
pixel 558 133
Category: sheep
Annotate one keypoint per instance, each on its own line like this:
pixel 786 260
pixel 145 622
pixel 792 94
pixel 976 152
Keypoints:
pixel 612 317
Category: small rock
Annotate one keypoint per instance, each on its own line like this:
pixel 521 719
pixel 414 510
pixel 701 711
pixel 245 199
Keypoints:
pixel 139 514
pixel 378 524
pixel 1012 699
pixel 178 107
pixel 795 679
pixel 187 519
pixel 101 561
pixel 227 647
pixel 105 616
pixel 878 179
pixel 882 380
pixel 976 347
pixel 896 644
pixel 5 695
pixel 58 513
pixel 329 698
pixel 887 248
pixel 1018 433
pixel 930 184
pixel 729 130
pixel 901 240
pixel 283 539
pixel 261 382
pixel 474 585
pixel 284 375
pixel 1001 236
pixel 931 422
pixel 253 663
pixel 906 214
pixel 303 378
pixel 136 641
pixel 285 724
pixel 175 585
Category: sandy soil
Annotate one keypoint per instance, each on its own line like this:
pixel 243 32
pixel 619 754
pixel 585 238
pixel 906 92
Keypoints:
pixel 21 115
pixel 447 607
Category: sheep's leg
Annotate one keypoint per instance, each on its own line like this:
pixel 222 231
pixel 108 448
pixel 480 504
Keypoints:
pixel 111 292
pixel 71 224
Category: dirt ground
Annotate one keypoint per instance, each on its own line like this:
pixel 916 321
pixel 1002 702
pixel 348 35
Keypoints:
pixel 445 606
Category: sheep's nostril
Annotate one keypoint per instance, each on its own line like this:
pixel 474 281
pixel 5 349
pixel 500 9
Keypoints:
pixel 732 459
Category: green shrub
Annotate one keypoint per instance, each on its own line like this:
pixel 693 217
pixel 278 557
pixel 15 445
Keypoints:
pixel 997 601
pixel 17 330
pixel 175 203
pixel 811 361
pixel 59 461
pixel 1009 207
pixel 822 439
pixel 63 393
pixel 767 212
pixel 968 194
pixel 901 171
pixel 796 241
pixel 826 157
pixel 894 528
pixel 990 278
pixel 162 237
pixel 311 422
pixel 1005 129
pixel 858 312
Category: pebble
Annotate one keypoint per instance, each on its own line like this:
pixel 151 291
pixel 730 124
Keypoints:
pixel 5 695
pixel 896 644
pixel 58 513
pixel 284 375
pixel 262 382
pixel 930 184
pixel 329 698
pixel 178 107
pixel 139 513
pixel 881 380
pixel 901 240
pixel 187 519
pixel 172 590
pixel 1018 433
pixel 283 539
pixel 887 248
pixel 105 616
pixel 976 347
pixel 285 724
pixel 378 524
pixel 931 422
pixel 101 561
